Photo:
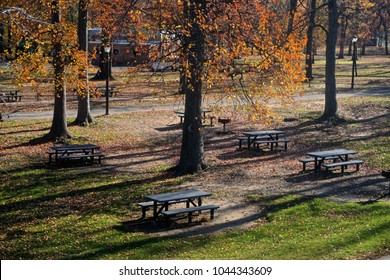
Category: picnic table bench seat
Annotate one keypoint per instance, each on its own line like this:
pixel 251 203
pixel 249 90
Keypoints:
pixel 242 139
pixel 343 164
pixel 13 97
pixel 81 157
pixel 146 205
pixel 309 160
pixel 272 142
pixel 190 211
pixel 68 153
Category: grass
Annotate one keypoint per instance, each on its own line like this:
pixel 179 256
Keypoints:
pixel 294 228
pixel 82 213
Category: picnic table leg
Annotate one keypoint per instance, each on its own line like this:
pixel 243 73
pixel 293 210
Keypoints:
pixel 155 210
pixel 346 159
pixel 277 138
pixel 316 164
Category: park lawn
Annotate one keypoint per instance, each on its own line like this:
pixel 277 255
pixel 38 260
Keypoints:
pixel 78 213
pixel 294 228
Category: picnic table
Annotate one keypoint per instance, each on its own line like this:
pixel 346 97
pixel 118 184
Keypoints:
pixel 342 155
pixel 78 152
pixel 252 136
pixel 161 202
pixel 181 114
pixel 11 95
pixel 102 89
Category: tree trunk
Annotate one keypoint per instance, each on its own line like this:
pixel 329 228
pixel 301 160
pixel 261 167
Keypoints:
pixel 362 49
pixel 192 152
pixel 183 71
pixel 350 48
pixel 386 37
pixel 330 111
pixel 83 110
pixel 2 40
pixel 343 33
pixel 292 11
pixel 309 43
pixel 59 128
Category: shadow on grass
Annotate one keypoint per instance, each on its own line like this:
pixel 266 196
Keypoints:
pixel 62 202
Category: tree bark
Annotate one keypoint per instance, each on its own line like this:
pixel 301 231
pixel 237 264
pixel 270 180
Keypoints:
pixel 292 11
pixel 2 40
pixel 309 43
pixel 192 149
pixel 330 111
pixel 59 128
pixel 83 110
pixel 343 33
pixel 386 37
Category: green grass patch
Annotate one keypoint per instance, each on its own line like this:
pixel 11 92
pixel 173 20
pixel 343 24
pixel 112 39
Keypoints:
pixel 293 228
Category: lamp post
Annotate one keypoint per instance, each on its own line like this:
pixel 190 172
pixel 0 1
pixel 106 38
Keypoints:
pixel 354 58
pixel 107 50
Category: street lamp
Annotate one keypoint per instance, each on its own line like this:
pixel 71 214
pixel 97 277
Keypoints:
pixel 354 58
pixel 107 50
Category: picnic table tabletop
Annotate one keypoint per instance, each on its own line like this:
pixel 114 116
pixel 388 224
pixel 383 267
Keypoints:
pixel 331 153
pixel 182 112
pixel 75 147
pixel 172 196
pixel 262 132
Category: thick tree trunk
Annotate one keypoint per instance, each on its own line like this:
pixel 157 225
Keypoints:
pixel 309 43
pixel 192 149
pixel 330 111
pixel 59 128
pixel 83 110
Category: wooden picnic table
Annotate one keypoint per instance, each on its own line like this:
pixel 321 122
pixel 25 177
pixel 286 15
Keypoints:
pixel 161 201
pixel 321 156
pixel 11 95
pixel 75 151
pixel 253 135
pixel 111 90
pixel 181 114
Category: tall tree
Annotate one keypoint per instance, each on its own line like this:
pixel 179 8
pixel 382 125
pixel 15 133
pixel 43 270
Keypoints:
pixel 191 156
pixel 59 128
pixel 292 11
pixel 83 110
pixel 309 42
pixel 331 107
pixel 232 45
